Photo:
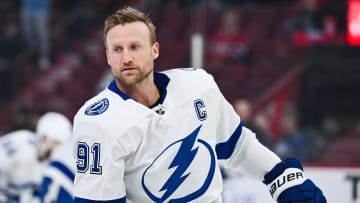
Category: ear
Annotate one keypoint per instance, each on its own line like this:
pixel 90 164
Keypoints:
pixel 155 50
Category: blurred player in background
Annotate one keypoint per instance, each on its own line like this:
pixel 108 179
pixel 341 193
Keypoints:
pixel 38 167
pixel 163 136
pixel 20 170
pixel 54 133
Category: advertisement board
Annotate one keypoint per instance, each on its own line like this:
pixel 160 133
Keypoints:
pixel 339 184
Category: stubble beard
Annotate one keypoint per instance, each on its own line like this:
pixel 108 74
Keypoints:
pixel 131 80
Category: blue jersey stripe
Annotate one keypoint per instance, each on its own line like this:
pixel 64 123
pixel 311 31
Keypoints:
pixel 64 196
pixel 64 169
pixel 161 81
pixel 81 200
pixel 225 149
pixel 112 86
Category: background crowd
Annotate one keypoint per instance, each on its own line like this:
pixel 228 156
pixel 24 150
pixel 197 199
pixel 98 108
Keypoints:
pixel 285 65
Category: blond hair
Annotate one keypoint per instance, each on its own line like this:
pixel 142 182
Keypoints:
pixel 128 15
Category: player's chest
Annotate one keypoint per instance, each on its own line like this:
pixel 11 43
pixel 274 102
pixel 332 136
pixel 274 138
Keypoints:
pixel 177 121
pixel 179 134
pixel 177 151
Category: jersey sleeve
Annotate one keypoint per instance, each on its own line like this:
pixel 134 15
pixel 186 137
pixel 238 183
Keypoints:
pixel 24 162
pixel 237 147
pixel 98 176
pixel 20 169
pixel 58 176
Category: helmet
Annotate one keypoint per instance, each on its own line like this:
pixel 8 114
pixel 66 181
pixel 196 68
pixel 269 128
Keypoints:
pixel 52 128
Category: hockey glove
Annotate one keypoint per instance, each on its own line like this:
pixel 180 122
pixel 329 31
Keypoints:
pixel 287 184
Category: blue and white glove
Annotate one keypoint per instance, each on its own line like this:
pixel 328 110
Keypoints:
pixel 287 184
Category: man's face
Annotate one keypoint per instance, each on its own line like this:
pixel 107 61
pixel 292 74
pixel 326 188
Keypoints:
pixel 130 53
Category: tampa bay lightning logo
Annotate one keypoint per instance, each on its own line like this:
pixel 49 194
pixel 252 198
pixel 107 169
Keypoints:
pixel 189 174
pixel 97 108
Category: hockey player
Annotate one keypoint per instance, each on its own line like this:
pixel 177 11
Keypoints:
pixel 54 132
pixel 162 136
pixel 20 170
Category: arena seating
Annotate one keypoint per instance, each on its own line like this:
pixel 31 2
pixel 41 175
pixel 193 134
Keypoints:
pixel 79 65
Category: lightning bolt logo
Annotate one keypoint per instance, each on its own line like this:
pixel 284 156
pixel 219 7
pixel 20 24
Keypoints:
pixel 180 164
pixel 182 160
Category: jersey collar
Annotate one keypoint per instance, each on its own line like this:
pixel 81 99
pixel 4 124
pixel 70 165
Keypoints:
pixel 161 81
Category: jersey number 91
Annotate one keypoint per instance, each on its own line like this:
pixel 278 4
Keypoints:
pixel 83 158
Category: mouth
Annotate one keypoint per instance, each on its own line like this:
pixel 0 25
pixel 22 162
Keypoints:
pixel 127 69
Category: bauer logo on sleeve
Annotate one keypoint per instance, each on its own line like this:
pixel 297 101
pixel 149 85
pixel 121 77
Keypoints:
pixel 97 108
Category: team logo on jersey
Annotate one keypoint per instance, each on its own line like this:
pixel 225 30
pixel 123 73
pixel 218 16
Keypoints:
pixel 97 108
pixel 187 177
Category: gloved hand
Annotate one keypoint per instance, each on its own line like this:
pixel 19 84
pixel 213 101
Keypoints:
pixel 287 184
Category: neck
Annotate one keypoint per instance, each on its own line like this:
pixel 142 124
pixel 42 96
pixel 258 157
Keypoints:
pixel 146 94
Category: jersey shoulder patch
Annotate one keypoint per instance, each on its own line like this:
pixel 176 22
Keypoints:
pixel 97 107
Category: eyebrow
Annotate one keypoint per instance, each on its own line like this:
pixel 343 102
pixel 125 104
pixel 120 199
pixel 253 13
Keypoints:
pixel 131 42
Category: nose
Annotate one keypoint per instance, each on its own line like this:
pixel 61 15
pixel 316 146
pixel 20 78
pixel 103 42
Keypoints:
pixel 127 57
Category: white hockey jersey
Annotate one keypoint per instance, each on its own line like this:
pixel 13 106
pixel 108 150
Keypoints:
pixel 20 170
pixel 58 176
pixel 127 152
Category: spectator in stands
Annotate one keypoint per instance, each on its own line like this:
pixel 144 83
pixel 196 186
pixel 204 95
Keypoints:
pixel 161 5
pixel 212 5
pixel 292 141
pixel 10 41
pixel 34 18
pixel 244 109
pixel 314 23
pixel 10 47
pixel 24 118
pixel 304 23
pixel 228 43
pixel 331 127
pixel 317 142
